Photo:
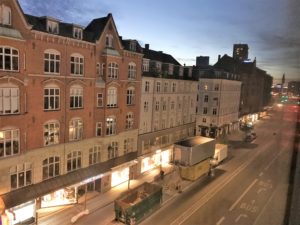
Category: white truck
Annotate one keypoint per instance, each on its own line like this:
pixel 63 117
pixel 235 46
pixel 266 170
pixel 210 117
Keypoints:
pixel 221 152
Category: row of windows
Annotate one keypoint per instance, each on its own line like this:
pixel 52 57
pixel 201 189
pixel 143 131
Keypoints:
pixel 9 61
pixel 10 98
pixel 163 87
pixel 205 111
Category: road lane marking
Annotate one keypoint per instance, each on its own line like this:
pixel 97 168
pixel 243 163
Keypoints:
pixel 273 160
pixel 261 189
pixel 240 216
pixel 244 193
pixel 220 221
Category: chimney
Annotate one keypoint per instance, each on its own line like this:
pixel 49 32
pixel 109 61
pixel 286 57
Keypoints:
pixel 219 57
pixel 147 46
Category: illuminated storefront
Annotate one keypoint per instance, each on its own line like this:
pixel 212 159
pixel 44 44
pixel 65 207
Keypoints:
pixel 119 176
pixel 61 197
pixel 150 162
pixel 22 214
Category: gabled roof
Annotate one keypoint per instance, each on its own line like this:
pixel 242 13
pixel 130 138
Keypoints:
pixel 159 56
pixel 97 26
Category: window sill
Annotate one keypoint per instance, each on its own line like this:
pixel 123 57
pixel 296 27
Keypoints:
pixel 76 108
pixel 51 110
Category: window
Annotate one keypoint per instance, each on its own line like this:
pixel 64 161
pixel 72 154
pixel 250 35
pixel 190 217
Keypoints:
pixel 75 129
pixel 171 122
pixel 52 27
pixel 146 106
pixel 98 129
pixel 77 33
pixel 216 87
pixel 145 65
pixel 204 110
pixel 112 97
pixel 128 145
pixel 113 70
pixel 20 175
pixel 98 69
pixel 111 126
pixel 171 69
pixel 214 111
pixel 129 121
pixel 166 86
pixel 99 100
pixel 73 161
pixel 130 96
pixel 94 155
pixel 205 98
pixel 5 15
pixel 204 120
pixel 172 105
pixel 77 64
pixel 147 86
pixel 51 98
pixel 50 167
pixel 113 150
pixel 157 106
pixel 76 97
pixel 131 71
pixel 132 46
pixel 164 106
pixel 205 87
pixel 9 59
pixel 158 87
pixel 158 67
pixel 9 101
pixel 51 133
pixel 109 40
pixel 51 61
pixel 173 87
pixel 9 143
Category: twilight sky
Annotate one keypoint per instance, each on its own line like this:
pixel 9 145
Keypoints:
pixel 191 28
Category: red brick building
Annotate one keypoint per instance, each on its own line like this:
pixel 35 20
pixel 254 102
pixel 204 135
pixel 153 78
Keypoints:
pixel 68 108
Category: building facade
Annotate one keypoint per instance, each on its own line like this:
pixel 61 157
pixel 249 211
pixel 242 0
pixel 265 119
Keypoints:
pixel 167 108
pixel 69 110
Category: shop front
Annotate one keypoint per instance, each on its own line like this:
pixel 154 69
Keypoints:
pixel 60 197
pixel 123 173
pixel 155 159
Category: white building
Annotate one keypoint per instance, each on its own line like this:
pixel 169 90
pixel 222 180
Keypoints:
pixel 218 106
pixel 168 108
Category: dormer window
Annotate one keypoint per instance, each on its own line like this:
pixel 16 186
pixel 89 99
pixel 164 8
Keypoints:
pixel 52 27
pixel 5 15
pixel 132 46
pixel 77 33
pixel 109 41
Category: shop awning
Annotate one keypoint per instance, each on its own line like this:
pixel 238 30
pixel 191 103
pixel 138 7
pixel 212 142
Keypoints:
pixel 33 191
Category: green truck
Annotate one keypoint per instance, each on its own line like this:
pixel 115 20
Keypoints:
pixel 133 205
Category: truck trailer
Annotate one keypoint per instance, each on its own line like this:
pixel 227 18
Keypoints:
pixel 221 152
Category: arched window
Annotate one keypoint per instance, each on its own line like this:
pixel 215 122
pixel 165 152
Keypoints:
pixel 50 167
pixel 113 70
pixel 75 129
pixel 129 120
pixel 9 142
pixel 51 133
pixel 111 125
pixel 51 61
pixel 5 15
pixel 112 97
pixel 109 40
pixel 77 64
pixel 9 59
pixel 9 99
pixel 131 71
pixel 130 96
pixel 76 97
pixel 73 161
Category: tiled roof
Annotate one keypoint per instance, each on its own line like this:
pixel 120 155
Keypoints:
pixel 159 56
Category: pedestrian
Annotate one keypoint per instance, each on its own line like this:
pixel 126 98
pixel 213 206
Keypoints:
pixel 162 174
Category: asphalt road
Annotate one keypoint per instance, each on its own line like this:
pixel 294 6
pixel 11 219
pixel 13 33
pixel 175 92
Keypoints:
pixel 250 188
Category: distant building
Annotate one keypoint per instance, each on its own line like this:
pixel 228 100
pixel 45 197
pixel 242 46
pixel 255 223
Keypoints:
pixel 202 61
pixel 240 52
pixel 294 88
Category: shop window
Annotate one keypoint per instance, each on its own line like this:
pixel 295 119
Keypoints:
pixel 5 15
pixel 76 97
pixel 113 150
pixel 9 59
pixel 9 100
pixel 73 161
pixel 112 97
pixel 128 145
pixel 20 175
pixel 51 133
pixel 131 71
pixel 75 129
pixel 94 155
pixel 50 167
pixel 111 126
pixel 99 129
pixel 130 96
pixel 51 61
pixel 51 98
pixel 9 143
pixel 129 121
pixel 113 70
pixel 77 64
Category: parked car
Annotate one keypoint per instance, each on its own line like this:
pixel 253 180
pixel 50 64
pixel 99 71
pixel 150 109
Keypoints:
pixel 250 137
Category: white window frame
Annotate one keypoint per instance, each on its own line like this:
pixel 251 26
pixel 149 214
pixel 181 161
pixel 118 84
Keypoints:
pixel 74 161
pixel 53 130
pixel 9 142
pixel 76 97
pixel 147 86
pixel 98 129
pixel 77 65
pixel 77 33
pixel 146 66
pixel 9 100
pixel 9 59
pixel 129 123
pixel 132 70
pixel 95 155
pixel 75 129
pixel 113 70
pixel 130 99
pixel 128 145
pixel 113 150
pixel 112 97
pixel 111 125
pixel 51 167
pixel 109 41
pixel 158 87
pixel 157 105
pixel 52 61
pixel 52 98
pixel 21 171
pixel 52 27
